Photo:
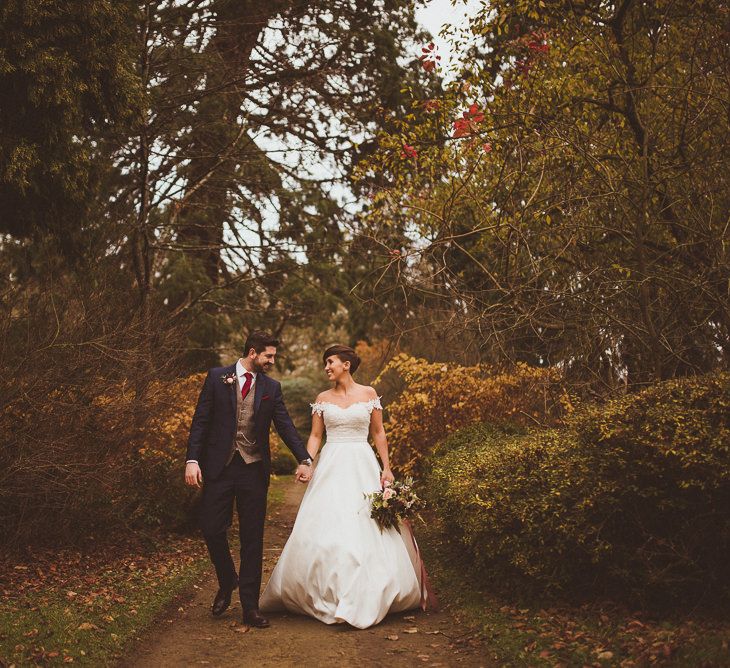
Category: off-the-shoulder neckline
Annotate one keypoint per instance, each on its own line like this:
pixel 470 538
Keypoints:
pixel 344 408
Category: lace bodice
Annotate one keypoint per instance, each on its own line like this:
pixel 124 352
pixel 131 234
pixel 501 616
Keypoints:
pixel 351 423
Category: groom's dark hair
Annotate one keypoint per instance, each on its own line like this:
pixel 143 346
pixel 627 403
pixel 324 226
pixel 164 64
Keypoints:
pixel 259 341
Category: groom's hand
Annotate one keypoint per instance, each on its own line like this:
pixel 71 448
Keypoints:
pixel 193 474
pixel 303 473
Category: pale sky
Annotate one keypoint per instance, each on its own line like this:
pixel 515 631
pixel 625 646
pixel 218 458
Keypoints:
pixel 434 14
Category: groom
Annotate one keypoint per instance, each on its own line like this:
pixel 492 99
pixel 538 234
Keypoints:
pixel 228 453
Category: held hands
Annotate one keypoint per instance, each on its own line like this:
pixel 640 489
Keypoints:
pixel 386 478
pixel 193 475
pixel 303 473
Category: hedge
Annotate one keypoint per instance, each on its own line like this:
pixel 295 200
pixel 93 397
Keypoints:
pixel 435 399
pixel 630 499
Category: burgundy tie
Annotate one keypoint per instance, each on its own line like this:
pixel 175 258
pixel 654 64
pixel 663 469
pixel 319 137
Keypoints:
pixel 246 385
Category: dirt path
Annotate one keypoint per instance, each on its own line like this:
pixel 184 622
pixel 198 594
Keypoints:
pixel 189 635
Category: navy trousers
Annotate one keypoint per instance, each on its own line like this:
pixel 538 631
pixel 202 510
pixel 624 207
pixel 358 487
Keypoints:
pixel 247 486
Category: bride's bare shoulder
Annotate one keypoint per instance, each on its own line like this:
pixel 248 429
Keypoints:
pixel 326 395
pixel 368 391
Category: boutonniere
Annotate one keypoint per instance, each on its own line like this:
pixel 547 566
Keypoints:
pixel 229 378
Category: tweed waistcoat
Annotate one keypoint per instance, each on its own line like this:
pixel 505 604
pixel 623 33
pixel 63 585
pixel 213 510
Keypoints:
pixel 245 441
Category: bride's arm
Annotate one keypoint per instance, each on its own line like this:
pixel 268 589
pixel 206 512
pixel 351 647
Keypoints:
pixel 315 436
pixel 377 431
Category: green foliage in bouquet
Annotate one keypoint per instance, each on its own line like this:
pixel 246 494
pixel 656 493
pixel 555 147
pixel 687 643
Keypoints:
pixel 630 500
pixel 394 503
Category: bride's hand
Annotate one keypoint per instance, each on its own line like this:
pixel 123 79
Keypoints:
pixel 386 478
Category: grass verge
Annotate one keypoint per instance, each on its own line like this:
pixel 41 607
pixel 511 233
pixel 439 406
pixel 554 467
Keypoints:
pixel 521 632
pixel 86 607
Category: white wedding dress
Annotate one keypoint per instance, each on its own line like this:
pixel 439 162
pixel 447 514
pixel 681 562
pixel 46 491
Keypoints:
pixel 337 566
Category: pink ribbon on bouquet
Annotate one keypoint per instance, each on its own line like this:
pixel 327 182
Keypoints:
pixel 428 598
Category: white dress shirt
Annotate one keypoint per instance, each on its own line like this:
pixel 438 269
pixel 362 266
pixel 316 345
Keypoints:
pixel 240 374
pixel 240 371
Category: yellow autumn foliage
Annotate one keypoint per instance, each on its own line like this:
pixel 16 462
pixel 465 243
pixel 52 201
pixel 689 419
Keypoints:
pixel 167 430
pixel 438 398
pixel 373 358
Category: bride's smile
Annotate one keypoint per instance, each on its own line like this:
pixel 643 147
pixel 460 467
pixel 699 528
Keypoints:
pixel 336 369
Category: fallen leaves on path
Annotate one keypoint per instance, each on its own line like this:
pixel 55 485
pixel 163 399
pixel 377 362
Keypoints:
pixel 598 633
pixel 79 598
pixel 88 626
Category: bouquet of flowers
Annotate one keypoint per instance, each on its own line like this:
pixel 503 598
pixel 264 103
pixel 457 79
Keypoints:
pixel 394 503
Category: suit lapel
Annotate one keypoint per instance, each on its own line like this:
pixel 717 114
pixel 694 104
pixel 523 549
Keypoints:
pixel 258 391
pixel 234 388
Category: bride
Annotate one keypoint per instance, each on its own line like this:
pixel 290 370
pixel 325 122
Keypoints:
pixel 337 566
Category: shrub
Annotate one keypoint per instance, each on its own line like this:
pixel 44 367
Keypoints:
pixel 298 392
pixel 630 499
pixel 283 461
pixel 477 432
pixel 93 430
pixel 160 495
pixel 80 408
pixel 440 398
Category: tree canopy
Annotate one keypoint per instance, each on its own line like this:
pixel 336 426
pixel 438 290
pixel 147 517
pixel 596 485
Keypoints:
pixel 565 202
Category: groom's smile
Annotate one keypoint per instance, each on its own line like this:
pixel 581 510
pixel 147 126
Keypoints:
pixel 262 362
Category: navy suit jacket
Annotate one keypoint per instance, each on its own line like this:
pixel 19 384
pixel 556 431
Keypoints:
pixel 213 429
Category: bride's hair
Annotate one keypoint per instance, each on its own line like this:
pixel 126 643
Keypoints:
pixel 345 353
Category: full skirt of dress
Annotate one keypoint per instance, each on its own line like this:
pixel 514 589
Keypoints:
pixel 337 566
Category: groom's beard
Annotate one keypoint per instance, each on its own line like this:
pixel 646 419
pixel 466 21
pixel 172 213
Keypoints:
pixel 262 368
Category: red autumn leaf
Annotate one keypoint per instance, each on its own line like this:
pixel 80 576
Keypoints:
pixel 469 121
pixel 429 65
pixel 473 114
pixel 428 58
pixel 461 127
pixel 487 147
pixel 538 47
pixel 409 152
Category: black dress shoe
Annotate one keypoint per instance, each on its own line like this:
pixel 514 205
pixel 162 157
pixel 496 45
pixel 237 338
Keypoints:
pixel 222 600
pixel 256 619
